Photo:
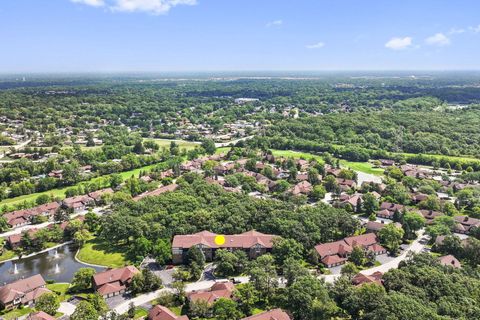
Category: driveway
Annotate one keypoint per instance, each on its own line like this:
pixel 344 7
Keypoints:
pixel 66 308
pixel 417 246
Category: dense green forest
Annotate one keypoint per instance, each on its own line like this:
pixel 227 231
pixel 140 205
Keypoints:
pixel 402 129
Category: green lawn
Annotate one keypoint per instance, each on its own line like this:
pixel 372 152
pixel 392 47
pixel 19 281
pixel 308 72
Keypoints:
pixel 101 253
pixel 181 143
pixel 176 310
pixel 140 313
pixel 6 255
pixel 222 150
pixel 438 156
pixel 15 313
pixel 295 154
pixel 60 193
pixel 60 289
pixel 365 167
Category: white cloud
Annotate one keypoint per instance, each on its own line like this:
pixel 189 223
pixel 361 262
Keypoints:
pixel 399 43
pixel 438 39
pixel 475 29
pixel 274 23
pixel 317 45
pixel 155 7
pixel 456 31
pixel 151 6
pixel 94 3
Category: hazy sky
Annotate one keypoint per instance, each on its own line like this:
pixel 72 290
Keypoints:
pixel 191 35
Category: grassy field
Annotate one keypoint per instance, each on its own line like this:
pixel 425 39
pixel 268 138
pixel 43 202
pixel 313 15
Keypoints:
pixel 166 143
pixel 60 193
pixel 438 156
pixel 365 167
pixel 295 154
pixel 100 253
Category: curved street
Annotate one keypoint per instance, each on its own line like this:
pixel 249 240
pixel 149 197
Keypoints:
pixel 417 246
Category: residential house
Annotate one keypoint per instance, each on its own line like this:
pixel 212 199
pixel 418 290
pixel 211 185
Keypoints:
pixel 98 195
pixel 419 197
pixel 217 291
pixel 346 184
pixel 14 241
pixel 275 314
pixel 303 187
pixel 387 162
pixel 40 315
pixel 58 174
pixel 336 253
pixel 169 188
pixel 450 261
pixel 159 312
pixel 375 227
pixel 355 201
pixel 465 224
pixel 430 215
pixel 252 242
pixel 387 210
pixel 78 203
pixel 22 292
pixel 23 217
pixel 361 278
pixel 333 171
pixel 114 281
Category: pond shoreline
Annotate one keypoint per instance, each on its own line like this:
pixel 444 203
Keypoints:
pixel 37 253
pixel 89 264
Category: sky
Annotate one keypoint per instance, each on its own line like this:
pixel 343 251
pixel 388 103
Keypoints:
pixel 232 35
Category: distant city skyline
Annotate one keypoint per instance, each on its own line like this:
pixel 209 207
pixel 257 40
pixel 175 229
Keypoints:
pixel 236 35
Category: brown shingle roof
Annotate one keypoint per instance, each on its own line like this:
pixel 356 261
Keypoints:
pixel 449 260
pixel 217 291
pixel 112 276
pixel 245 240
pixel 40 315
pixel 163 313
pixel 22 288
pixel 275 314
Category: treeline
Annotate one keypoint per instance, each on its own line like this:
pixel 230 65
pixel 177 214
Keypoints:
pixel 451 133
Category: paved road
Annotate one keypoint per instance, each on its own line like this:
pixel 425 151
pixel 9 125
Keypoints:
pixel 147 297
pixel 45 224
pixel 416 247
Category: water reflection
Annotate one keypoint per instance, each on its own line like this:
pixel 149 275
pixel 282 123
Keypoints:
pixel 58 264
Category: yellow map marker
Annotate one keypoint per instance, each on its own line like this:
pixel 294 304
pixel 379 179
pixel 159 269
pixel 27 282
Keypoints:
pixel 219 240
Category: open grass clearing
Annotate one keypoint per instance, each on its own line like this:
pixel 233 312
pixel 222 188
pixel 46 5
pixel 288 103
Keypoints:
pixel 102 253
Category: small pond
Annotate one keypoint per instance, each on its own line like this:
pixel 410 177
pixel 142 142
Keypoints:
pixel 57 264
